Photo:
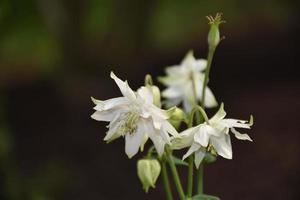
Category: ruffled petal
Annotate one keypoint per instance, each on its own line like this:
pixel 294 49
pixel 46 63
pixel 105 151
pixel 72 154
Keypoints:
pixel 230 123
pixel 240 136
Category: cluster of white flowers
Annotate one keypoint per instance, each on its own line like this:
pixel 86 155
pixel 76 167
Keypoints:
pixel 136 117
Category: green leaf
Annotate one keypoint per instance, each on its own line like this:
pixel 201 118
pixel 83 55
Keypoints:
pixel 205 197
pixel 178 161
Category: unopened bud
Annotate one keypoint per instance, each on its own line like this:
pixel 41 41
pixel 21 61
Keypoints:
pixel 156 95
pixel 214 33
pixel 148 171
pixel 154 89
pixel 176 116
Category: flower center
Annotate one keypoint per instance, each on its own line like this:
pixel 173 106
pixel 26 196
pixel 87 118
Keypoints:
pixel 128 123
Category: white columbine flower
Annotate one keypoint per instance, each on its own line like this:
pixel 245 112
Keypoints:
pixel 214 133
pixel 135 117
pixel 181 80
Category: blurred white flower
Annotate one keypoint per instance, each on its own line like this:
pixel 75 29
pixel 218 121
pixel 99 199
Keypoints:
pixel 135 117
pixel 214 133
pixel 183 79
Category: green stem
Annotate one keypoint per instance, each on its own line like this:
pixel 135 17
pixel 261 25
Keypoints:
pixel 190 176
pixel 166 182
pixel 210 56
pixel 203 113
pixel 175 176
pixel 200 179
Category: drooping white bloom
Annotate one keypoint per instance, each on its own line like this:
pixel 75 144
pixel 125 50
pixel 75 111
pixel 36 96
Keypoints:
pixel 184 80
pixel 214 133
pixel 135 117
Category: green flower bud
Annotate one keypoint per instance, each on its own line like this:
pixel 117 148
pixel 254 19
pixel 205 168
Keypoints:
pixel 156 96
pixel 214 33
pixel 148 171
pixel 176 116
pixel 155 90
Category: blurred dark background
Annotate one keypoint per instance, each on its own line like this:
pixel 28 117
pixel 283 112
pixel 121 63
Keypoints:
pixel 55 54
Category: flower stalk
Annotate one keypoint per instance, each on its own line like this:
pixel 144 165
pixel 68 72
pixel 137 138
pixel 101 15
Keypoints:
pixel 165 179
pixel 175 175
pixel 190 176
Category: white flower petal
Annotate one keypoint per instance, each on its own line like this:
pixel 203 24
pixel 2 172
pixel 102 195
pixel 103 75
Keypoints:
pixel 175 79
pixel 124 87
pixel 174 70
pixel 222 145
pixel 172 102
pixel 133 141
pixel 172 92
pixel 158 115
pixel 184 139
pixel 191 150
pixel 219 115
pixel 235 123
pixel 240 136
pixel 202 136
pixel 146 94
pixel 110 103
pixel 187 105
pixel 189 60
pixel 112 134
pixel 200 64
pixel 158 142
pixel 199 155
pixel 104 115
pixel 170 129
pixel 146 137
pixel 113 126
pixel 155 137
pixel 210 100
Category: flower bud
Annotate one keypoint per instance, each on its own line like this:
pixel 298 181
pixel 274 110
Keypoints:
pixel 214 33
pixel 176 116
pixel 148 171
pixel 156 95
pixel 154 89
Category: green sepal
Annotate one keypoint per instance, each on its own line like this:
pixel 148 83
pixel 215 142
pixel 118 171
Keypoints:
pixel 209 158
pixel 178 161
pixel 205 197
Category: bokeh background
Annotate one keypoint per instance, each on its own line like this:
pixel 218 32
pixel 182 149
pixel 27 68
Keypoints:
pixel 55 54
